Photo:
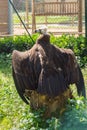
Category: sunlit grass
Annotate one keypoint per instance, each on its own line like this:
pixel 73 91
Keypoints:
pixel 43 19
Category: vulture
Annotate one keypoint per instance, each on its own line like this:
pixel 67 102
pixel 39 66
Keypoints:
pixel 43 74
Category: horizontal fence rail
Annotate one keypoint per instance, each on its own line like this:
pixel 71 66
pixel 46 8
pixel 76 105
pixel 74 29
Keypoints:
pixel 56 8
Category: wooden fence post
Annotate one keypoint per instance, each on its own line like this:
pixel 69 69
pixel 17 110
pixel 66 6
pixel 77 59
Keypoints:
pixel 80 16
pixel 33 16
pixel 10 19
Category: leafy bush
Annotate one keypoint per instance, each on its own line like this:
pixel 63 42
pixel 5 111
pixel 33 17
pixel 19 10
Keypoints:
pixel 77 44
pixel 8 44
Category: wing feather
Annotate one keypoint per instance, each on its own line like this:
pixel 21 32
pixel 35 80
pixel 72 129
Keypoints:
pixel 52 84
pixel 23 73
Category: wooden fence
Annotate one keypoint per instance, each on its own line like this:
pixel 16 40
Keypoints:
pixel 57 9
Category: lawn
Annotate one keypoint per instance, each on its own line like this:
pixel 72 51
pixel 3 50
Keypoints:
pixel 16 115
pixel 43 19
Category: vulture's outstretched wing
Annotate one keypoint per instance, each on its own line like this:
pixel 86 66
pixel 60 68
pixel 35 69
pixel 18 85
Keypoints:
pixel 71 70
pixel 80 84
pixel 23 71
pixel 66 59
pixel 19 85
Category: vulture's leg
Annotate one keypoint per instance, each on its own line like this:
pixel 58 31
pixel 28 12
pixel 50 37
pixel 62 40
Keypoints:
pixel 80 84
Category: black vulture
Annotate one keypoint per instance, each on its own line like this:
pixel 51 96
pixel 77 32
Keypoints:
pixel 46 70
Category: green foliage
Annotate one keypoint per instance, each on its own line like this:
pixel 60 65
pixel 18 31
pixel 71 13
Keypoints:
pixel 77 44
pixel 8 44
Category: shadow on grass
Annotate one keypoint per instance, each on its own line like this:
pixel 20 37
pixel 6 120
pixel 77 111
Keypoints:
pixel 74 118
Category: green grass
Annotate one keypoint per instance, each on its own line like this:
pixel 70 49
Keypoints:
pixel 16 115
pixel 41 19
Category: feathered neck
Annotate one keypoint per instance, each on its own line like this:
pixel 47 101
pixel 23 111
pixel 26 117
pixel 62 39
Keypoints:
pixel 43 39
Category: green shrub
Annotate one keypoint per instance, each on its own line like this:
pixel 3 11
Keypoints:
pixel 8 44
pixel 77 44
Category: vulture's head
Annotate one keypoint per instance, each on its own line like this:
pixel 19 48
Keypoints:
pixel 44 37
pixel 41 30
